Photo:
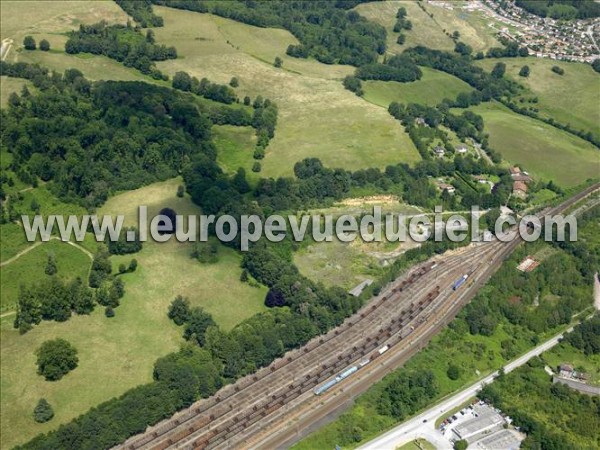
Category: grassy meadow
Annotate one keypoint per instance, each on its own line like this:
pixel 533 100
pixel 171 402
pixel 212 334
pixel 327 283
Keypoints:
pixel 572 98
pixel 545 151
pixel 317 116
pixel 431 89
pixel 116 354
pixel 167 269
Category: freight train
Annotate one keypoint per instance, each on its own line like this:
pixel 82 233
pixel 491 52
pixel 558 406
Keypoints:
pixel 351 370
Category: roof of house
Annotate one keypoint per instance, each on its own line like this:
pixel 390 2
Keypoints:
pixel 521 177
pixel 519 186
pixel 515 170
pixel 445 186
pixel 566 367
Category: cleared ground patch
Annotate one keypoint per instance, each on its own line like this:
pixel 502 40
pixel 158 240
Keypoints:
pixel 431 89
pixel 430 31
pixel 572 98
pixel 317 116
pixel 547 152
pixel 348 264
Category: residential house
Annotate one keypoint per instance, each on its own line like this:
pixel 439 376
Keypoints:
pixel 519 189
pixel 447 188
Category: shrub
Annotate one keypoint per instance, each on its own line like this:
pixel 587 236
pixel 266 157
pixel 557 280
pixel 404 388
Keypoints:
pixel 44 45
pixel 56 358
pixel 29 43
pixel 43 411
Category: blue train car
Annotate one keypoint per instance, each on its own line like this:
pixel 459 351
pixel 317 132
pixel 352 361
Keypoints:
pixel 346 373
pixel 319 390
pixel 458 283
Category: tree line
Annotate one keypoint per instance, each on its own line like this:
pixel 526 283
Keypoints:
pixel 491 85
pixel 327 30
pixel 122 43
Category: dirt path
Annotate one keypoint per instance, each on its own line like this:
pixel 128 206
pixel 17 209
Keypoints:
pixel 31 247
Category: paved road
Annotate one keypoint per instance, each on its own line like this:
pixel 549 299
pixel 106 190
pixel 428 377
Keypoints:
pixel 423 425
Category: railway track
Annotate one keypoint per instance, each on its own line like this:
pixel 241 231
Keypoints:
pixel 418 297
pixel 371 327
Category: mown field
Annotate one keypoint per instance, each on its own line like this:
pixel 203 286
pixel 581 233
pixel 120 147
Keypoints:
pixel 545 151
pixel 430 31
pixel 572 98
pixel 431 89
pixel 317 116
pixel 117 354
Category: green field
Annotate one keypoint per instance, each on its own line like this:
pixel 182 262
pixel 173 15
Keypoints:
pixel 572 98
pixel 545 151
pixel 29 268
pixel 474 29
pixel 431 89
pixel 117 354
pixel 13 240
pixel 317 116
pixel 235 147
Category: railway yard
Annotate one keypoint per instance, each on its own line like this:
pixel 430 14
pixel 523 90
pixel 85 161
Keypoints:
pixel 278 404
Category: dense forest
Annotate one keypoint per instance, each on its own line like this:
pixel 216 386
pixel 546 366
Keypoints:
pixel 561 9
pixel 88 142
pixel 327 31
